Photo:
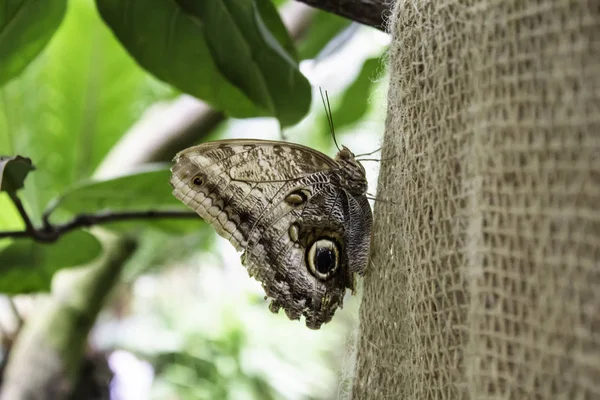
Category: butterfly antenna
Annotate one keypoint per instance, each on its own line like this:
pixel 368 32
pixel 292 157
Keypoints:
pixel 329 116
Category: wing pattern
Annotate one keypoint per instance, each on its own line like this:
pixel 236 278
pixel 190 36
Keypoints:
pixel 272 200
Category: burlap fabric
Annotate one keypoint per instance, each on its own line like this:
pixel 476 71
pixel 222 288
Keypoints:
pixel 485 282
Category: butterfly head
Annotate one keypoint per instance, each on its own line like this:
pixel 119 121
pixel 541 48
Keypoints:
pixel 352 173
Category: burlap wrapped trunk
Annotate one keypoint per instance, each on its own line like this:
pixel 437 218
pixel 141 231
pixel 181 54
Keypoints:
pixel 485 274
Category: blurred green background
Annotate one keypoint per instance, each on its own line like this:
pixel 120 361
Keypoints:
pixel 184 321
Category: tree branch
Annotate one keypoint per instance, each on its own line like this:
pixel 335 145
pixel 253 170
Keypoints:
pixel 372 13
pixel 17 201
pixel 53 232
pixel 50 233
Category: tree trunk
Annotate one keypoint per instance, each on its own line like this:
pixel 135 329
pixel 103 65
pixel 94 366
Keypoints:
pixel 485 274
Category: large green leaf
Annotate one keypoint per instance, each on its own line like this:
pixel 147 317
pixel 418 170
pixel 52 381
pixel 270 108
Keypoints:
pixel 323 28
pixel 248 54
pixel 13 171
pixel 221 52
pixel 72 104
pixel 147 189
pixel 272 19
pixel 26 26
pixel 27 266
pixel 167 43
pixel 157 248
pixel 140 191
pixel 355 99
pixel 10 220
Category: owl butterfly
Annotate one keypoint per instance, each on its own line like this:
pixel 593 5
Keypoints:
pixel 301 218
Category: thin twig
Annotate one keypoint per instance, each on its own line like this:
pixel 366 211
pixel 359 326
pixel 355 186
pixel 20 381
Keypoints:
pixel 87 220
pixel 19 204
pixel 15 311
pixel 368 12
pixel 15 234
pixel 50 233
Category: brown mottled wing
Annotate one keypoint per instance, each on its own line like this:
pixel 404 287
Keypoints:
pixel 329 213
pixel 244 184
pixel 243 178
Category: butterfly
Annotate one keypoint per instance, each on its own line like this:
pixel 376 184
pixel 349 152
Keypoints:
pixel 301 218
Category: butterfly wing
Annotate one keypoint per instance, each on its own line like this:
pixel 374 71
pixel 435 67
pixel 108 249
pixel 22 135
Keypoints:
pixel 272 200
pixel 241 180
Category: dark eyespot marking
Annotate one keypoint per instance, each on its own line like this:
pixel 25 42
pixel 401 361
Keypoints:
pixel 244 217
pixel 198 180
pixel 323 258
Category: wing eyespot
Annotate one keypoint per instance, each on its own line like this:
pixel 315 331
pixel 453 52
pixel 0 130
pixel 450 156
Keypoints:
pixel 323 258
pixel 198 180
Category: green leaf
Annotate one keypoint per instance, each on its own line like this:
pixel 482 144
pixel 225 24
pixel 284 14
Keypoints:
pixel 159 248
pixel 224 54
pixel 10 219
pixel 248 54
pixel 354 103
pixel 272 19
pixel 72 104
pixel 27 266
pixel 144 190
pixel 168 44
pixel 324 27
pixel 13 171
pixel 26 26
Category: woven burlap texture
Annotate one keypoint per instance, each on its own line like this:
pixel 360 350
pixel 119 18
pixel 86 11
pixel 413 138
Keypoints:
pixel 485 274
